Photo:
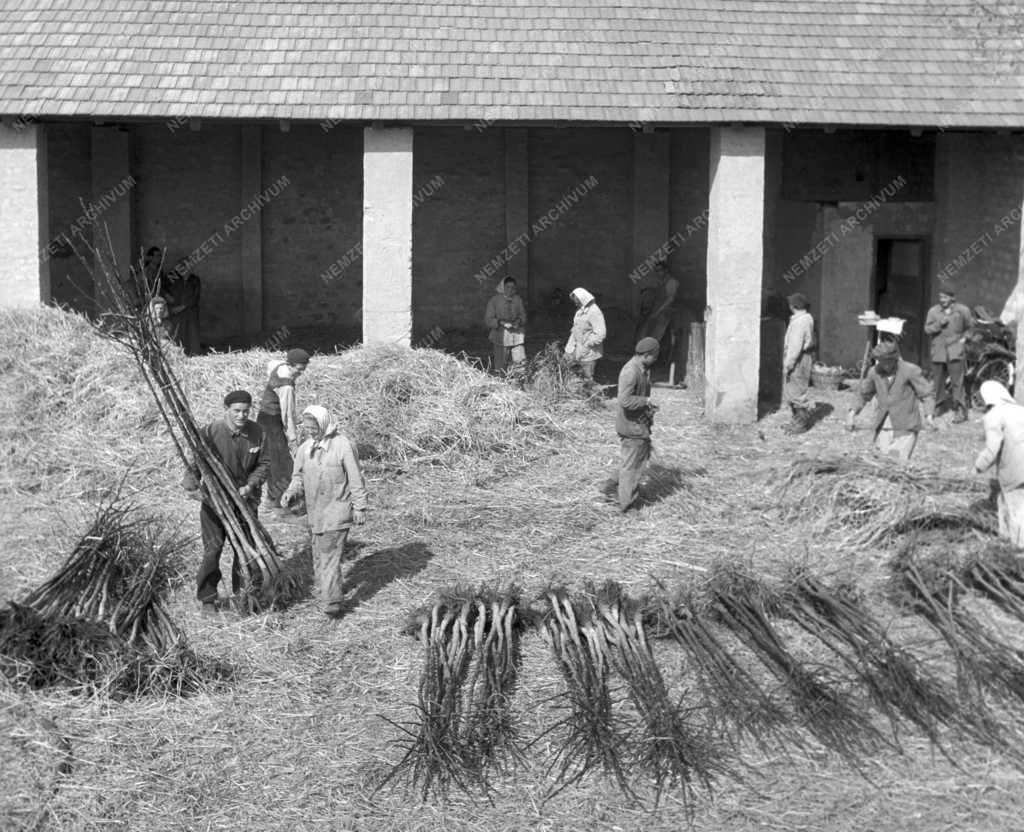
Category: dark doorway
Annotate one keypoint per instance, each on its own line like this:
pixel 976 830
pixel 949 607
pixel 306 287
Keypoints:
pixel 900 288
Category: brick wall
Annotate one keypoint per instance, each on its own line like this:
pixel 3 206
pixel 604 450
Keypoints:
pixel 69 162
pixel 688 199
pixel 188 187
pixel 979 182
pixel 312 230
pixel 458 226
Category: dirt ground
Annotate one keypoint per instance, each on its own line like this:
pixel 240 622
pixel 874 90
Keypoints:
pixel 300 740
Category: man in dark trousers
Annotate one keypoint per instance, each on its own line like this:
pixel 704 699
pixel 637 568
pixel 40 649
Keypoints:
pixel 949 323
pixel 634 419
pixel 240 445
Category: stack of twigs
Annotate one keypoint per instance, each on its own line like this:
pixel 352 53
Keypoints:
pixel 466 726
pixel 100 623
pixel 141 335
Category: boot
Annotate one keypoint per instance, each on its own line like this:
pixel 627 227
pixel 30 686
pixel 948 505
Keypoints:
pixel 961 416
pixel 799 421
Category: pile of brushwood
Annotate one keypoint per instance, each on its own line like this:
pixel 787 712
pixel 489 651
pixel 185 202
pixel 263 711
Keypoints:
pixel 866 501
pixel 99 625
pixel 129 323
pixel 793 663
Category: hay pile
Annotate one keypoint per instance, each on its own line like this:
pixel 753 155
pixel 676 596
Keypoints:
pixel 80 410
pixel 864 501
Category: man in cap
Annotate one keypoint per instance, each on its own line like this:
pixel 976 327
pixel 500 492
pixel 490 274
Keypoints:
pixel 1004 448
pixel 796 362
pixel 239 444
pixel 634 419
pixel 277 418
pixel 949 323
pixel 898 386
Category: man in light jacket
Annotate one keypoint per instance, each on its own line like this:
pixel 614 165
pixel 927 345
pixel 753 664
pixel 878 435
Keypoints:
pixel 949 323
pixel 586 341
pixel 797 358
pixel 634 420
pixel 898 386
pixel 327 472
pixel 1004 448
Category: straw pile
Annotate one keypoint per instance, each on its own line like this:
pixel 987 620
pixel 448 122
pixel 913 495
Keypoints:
pixel 868 500
pixel 99 623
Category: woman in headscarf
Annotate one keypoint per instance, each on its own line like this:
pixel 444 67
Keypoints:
pixel 1004 447
pixel 277 418
pixel 327 473
pixel 586 341
pixel 505 317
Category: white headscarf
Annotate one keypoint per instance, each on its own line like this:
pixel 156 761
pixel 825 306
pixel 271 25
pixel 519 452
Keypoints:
pixel 279 368
pixel 583 297
pixel 323 419
pixel 992 392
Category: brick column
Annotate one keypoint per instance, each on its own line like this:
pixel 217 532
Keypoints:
pixel 651 183
pixel 517 204
pixel 387 235
pixel 735 255
pixel 252 231
pixel 20 240
pixel 112 190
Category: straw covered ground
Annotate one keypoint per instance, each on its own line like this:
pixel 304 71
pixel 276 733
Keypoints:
pixel 471 483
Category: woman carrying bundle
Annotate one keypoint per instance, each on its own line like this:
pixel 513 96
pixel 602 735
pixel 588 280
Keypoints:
pixel 278 420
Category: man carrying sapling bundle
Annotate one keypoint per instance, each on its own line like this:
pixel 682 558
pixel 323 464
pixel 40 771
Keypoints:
pixel 239 444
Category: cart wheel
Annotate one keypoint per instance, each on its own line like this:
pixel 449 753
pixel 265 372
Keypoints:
pixel 995 369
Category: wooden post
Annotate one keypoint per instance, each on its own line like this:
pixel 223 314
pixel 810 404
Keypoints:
pixel 695 356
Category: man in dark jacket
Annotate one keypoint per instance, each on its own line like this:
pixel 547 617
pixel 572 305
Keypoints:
pixel 634 419
pixel 239 444
pixel 949 323
pixel 898 386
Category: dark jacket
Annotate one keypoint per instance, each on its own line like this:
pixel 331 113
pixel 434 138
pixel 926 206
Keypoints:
pixel 948 341
pixel 634 418
pixel 898 399
pixel 244 454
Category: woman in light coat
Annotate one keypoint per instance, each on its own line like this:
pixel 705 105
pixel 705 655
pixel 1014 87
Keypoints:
pixel 586 341
pixel 327 473
pixel 1004 448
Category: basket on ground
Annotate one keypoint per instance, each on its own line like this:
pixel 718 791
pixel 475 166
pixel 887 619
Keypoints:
pixel 826 378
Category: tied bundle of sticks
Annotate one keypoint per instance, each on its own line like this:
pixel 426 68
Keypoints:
pixel 471 642
pixel 603 630
pixel 128 322
pixel 100 623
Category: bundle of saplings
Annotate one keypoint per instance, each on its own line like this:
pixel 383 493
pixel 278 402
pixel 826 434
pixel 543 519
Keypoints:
pixel 129 322
pixel 100 623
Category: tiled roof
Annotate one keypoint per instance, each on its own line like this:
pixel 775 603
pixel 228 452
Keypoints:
pixel 938 63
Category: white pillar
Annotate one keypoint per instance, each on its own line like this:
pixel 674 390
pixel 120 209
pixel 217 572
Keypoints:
pixel 735 262
pixel 20 242
pixel 387 235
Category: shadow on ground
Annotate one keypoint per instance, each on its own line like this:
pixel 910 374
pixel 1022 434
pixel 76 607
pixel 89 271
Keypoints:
pixel 372 572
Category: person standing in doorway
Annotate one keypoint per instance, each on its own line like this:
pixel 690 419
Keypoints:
pixel 505 317
pixel 634 420
pixel 797 357
pixel 278 419
pixel 586 341
pixel 180 288
pixel 949 323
